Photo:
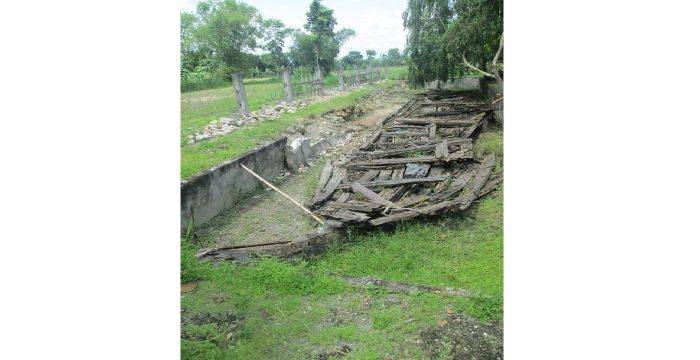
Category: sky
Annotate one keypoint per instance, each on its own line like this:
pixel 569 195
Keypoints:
pixel 378 23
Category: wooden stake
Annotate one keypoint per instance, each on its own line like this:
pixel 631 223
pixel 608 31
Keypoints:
pixel 319 220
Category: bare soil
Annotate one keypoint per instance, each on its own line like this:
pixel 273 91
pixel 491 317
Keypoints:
pixel 269 217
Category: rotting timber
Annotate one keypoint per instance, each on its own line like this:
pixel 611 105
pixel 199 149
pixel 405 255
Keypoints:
pixel 419 162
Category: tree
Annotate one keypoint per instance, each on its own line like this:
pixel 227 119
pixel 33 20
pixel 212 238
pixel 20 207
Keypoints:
pixel 370 55
pixel 446 35
pixel 352 58
pixel 304 51
pixel 230 31
pixel 274 33
pixel 394 57
pixel 320 23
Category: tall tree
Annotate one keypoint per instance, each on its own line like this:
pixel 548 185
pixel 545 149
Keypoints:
pixel 274 34
pixel 445 34
pixel 352 58
pixel 370 55
pixel 320 22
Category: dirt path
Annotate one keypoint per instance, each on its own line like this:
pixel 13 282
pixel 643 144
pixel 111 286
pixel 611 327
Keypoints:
pixel 268 217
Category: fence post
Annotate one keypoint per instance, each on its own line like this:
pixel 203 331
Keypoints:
pixel 289 94
pixel 239 91
pixel 357 76
pixel 319 81
pixel 369 73
pixel 386 71
pixel 379 72
pixel 341 82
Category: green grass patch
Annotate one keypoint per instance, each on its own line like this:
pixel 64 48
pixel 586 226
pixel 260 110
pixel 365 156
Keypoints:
pixel 203 155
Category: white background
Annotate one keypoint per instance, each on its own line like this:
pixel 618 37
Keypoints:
pixel 601 180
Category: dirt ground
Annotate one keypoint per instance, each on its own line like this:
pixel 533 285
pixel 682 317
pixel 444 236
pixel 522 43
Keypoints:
pixel 267 216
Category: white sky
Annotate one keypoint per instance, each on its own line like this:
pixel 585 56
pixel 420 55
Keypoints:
pixel 378 24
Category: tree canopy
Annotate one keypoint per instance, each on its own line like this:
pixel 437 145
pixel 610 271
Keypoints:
pixel 441 33
pixel 322 42
pixel 226 36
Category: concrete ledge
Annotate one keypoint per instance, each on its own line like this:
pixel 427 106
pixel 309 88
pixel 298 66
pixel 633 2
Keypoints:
pixel 466 83
pixel 209 193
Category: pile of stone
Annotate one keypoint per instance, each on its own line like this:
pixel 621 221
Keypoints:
pixel 226 125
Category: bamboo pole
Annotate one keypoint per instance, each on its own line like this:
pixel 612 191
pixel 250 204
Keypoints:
pixel 319 220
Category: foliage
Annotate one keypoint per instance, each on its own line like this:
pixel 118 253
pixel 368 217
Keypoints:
pixel 370 54
pixel 221 38
pixel 319 47
pixel 393 57
pixel 352 58
pixel 203 155
pixel 274 34
pixel 440 32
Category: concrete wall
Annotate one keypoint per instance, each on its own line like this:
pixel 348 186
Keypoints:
pixel 209 193
pixel 476 83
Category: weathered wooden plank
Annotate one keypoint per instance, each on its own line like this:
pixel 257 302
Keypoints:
pixel 355 205
pixel 443 113
pixel 435 121
pixel 480 180
pixel 325 176
pixel 345 215
pixel 338 176
pixel 442 152
pixel 397 182
pixel 369 175
pixel 425 210
pixel 413 200
pixel 458 155
pixel 385 174
pixel 412 149
pixel 343 197
pixel 404 133
pixel 372 196
pixel 432 130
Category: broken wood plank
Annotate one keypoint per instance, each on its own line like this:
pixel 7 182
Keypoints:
pixel 325 176
pixel 355 205
pixel 343 197
pixel 369 175
pixel 424 210
pixel 397 182
pixel 432 130
pixel 458 155
pixel 372 196
pixel 412 149
pixel 345 215
pixel 338 176
pixel 413 200
pixel 491 184
pixel 480 180
pixel 442 152
pixel 443 113
pixel 436 122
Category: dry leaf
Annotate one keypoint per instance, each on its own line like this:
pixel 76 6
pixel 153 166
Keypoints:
pixel 185 288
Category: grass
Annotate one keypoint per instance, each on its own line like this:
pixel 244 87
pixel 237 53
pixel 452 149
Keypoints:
pixel 298 309
pixel 199 108
pixel 203 155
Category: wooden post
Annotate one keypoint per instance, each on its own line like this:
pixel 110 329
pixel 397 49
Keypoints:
pixel 357 75
pixel 289 94
pixel 341 82
pixel 239 91
pixel 318 80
